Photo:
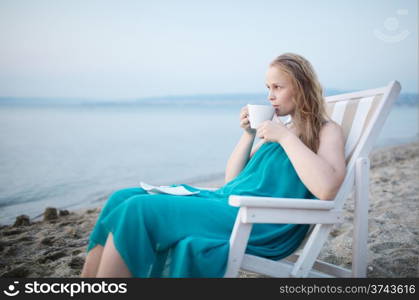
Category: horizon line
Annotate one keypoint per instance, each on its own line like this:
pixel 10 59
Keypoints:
pixel 173 95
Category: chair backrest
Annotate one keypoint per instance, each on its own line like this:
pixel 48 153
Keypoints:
pixel 362 116
pixel 353 114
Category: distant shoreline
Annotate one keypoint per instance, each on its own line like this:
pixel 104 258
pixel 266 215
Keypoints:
pixel 405 98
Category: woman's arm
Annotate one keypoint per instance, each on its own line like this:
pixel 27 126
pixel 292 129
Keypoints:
pixel 239 157
pixel 324 172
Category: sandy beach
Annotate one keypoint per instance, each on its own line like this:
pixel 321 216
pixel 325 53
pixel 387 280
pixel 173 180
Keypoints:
pixel 56 245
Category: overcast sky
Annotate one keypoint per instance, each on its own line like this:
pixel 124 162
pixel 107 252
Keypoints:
pixel 132 49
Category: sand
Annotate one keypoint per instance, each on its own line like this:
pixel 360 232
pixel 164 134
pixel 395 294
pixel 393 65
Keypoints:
pixel 56 247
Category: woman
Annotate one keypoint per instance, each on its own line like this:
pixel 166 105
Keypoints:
pixel 142 235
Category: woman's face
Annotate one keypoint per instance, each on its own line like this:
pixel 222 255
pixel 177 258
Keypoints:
pixel 280 91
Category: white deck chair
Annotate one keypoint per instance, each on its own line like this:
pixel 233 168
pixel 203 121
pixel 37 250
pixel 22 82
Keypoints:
pixel 361 115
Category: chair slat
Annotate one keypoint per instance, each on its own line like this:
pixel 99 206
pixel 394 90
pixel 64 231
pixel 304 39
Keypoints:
pixel 353 114
pixel 363 108
pixel 338 111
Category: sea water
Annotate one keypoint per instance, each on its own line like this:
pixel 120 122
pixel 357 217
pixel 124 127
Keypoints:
pixel 74 156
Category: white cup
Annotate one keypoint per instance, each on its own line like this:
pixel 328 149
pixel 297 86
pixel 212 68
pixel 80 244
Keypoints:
pixel 259 113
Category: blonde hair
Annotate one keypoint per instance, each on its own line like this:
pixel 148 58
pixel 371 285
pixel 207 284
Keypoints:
pixel 310 111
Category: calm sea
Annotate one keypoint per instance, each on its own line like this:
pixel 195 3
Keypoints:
pixel 73 156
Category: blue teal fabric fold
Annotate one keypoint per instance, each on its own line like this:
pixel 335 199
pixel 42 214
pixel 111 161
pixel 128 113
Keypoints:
pixel 188 236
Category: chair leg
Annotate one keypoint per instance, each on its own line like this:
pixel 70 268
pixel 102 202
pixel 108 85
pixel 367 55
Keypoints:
pixel 238 242
pixel 360 233
pixel 311 250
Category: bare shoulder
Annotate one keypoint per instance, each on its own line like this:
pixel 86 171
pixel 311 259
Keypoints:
pixel 332 146
pixel 331 132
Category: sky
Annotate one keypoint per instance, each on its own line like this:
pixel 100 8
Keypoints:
pixel 132 49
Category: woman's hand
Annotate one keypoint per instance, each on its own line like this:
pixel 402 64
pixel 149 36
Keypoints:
pixel 273 131
pixel 244 121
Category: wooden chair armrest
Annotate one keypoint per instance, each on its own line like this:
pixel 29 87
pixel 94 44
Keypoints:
pixel 272 202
